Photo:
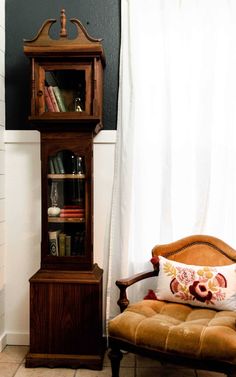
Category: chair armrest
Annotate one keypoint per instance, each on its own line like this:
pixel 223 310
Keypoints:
pixel 123 284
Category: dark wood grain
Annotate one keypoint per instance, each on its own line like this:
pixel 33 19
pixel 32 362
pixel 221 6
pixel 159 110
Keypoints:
pixel 66 293
pixel 66 319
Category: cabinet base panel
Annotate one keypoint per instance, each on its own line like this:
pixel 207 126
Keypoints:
pixel 94 362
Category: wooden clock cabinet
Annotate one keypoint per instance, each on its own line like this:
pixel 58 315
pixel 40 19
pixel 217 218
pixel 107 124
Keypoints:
pixel 66 108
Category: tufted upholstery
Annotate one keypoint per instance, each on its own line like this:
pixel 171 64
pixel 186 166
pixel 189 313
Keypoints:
pixel 194 336
pixel 178 328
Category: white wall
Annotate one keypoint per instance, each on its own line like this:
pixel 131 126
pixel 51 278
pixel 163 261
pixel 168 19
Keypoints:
pixel 23 219
pixel 2 175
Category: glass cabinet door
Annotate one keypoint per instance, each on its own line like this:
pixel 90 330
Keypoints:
pixel 64 88
pixel 66 204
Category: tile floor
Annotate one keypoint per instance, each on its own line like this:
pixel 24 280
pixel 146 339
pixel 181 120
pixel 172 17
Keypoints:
pixel 12 365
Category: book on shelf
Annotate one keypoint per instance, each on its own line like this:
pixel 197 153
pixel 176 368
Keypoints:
pixel 67 245
pixel 53 98
pixel 72 206
pixel 75 244
pixel 54 80
pixel 56 165
pixel 72 211
pixel 60 164
pixel 51 166
pixel 62 244
pixel 59 99
pixel 48 101
pixel 72 215
pixel 77 247
pixel 53 242
pixel 66 211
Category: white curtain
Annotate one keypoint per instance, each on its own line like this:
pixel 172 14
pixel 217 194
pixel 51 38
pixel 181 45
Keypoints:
pixel 175 170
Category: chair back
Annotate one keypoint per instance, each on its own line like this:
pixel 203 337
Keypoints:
pixel 198 250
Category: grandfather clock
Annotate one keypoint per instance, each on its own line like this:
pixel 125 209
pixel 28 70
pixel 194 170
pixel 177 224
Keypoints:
pixel 66 108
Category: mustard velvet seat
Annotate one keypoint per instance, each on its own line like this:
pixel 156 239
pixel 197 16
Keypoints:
pixel 200 338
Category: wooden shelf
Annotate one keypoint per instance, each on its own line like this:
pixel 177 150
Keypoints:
pixel 66 219
pixel 65 117
pixel 66 176
pixel 56 122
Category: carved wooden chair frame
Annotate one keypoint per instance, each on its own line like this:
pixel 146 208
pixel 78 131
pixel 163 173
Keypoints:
pixel 227 255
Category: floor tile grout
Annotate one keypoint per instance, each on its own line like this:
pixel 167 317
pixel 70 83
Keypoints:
pixel 132 364
pixel 16 370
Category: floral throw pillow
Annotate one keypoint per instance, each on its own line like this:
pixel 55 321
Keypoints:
pixel 212 287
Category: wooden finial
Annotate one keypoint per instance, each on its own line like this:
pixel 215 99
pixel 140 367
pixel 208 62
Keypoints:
pixel 63 32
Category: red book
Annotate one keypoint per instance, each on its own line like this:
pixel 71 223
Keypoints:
pixel 77 215
pixel 48 100
pixel 72 210
pixel 53 99
pixel 72 207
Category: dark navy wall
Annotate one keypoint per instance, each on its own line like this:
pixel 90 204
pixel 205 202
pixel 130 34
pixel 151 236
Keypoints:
pixel 24 18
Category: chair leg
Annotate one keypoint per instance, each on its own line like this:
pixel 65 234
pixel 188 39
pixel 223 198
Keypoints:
pixel 115 356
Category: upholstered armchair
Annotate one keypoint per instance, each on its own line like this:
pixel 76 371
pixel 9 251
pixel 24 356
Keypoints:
pixel 191 317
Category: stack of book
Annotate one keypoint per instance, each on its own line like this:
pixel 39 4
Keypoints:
pixel 72 211
pixel 53 99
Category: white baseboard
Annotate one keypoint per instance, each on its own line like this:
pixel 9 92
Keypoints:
pixel 3 341
pixel 17 339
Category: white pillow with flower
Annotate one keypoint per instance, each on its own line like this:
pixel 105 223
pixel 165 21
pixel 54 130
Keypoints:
pixel 206 286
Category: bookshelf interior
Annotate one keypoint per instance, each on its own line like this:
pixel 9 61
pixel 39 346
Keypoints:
pixel 67 89
pixel 66 203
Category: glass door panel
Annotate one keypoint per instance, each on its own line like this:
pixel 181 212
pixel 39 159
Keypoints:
pixel 65 90
pixel 66 204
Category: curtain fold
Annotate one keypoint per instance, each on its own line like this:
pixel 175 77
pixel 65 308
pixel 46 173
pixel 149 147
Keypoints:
pixel 175 165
